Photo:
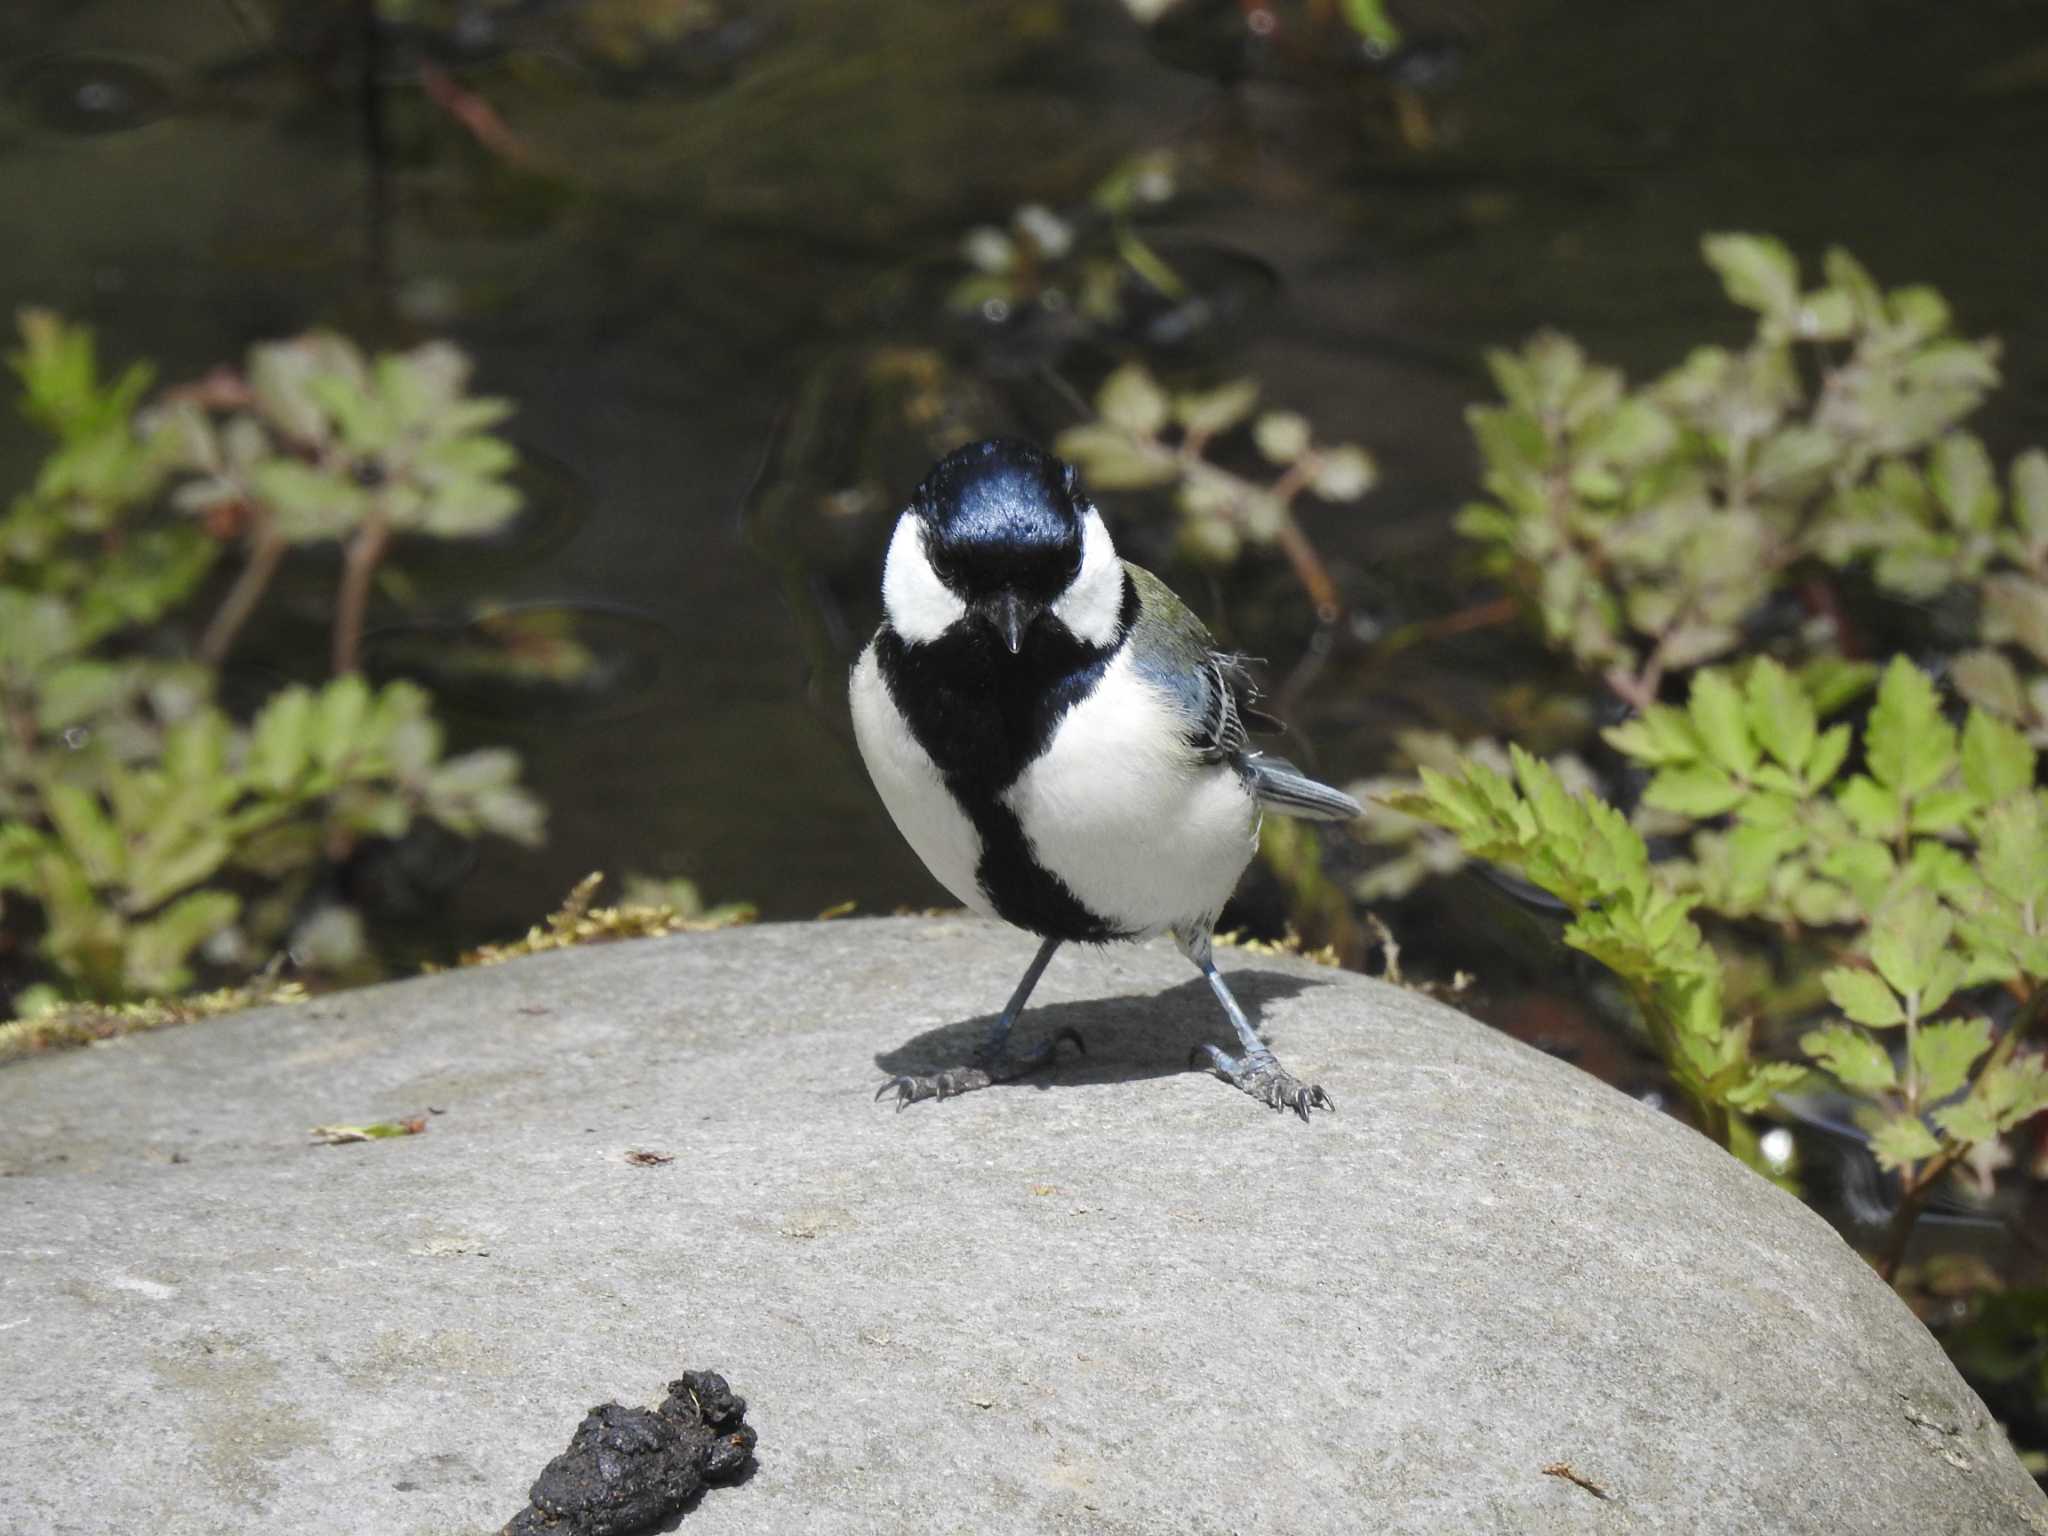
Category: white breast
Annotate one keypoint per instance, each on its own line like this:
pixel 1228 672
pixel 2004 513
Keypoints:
pixel 1121 809
pixel 927 815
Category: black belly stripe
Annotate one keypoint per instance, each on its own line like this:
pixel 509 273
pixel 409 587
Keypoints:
pixel 984 716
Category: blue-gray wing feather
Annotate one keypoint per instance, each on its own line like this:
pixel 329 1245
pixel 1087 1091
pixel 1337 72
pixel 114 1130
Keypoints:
pixel 1216 693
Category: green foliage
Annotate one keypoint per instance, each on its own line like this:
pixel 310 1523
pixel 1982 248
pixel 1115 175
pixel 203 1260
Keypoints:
pixel 1144 435
pixel 1929 869
pixel 321 440
pixel 1076 265
pixel 1585 853
pixel 139 822
pixel 1646 527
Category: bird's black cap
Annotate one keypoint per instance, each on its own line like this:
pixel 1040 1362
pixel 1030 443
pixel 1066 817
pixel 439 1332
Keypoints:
pixel 1002 513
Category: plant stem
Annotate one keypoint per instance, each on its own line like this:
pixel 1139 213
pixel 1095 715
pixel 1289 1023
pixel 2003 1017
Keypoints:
pixel 364 551
pixel 1913 1197
pixel 266 549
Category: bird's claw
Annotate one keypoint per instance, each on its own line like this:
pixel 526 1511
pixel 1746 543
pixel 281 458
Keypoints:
pixel 1260 1074
pixel 986 1068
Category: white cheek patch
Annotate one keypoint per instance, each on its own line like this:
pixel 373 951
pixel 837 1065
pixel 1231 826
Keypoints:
pixel 919 606
pixel 1091 606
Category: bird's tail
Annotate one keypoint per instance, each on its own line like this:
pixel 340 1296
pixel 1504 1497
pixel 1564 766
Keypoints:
pixel 1279 784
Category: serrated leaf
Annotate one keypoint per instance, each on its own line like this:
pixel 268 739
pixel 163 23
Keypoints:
pixel 2013 851
pixel 1780 715
pixel 1897 1139
pixel 1997 760
pixel 1753 1090
pixel 1873 809
pixel 89 834
pixel 1941 810
pixel 2001 1098
pixel 1829 750
pixel 1716 709
pixel 1863 996
pixel 1833 682
pixel 1907 742
pixel 1701 790
pixel 1990 682
pixel 1944 1053
pixel 1907 937
pixel 1853 1058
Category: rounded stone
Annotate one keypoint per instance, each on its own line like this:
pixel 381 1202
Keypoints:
pixel 1118 1297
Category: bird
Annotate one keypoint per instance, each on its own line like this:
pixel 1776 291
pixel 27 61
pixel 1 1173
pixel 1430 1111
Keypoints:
pixel 1061 741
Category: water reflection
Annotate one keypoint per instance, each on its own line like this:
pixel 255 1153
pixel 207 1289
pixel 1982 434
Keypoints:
pixel 94 93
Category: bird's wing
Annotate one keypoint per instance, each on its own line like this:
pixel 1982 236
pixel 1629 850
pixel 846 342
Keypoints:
pixel 1214 688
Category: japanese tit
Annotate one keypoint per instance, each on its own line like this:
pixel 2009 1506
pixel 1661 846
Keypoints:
pixel 1062 743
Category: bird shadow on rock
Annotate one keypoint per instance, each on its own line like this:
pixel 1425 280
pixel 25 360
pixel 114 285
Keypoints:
pixel 1128 1038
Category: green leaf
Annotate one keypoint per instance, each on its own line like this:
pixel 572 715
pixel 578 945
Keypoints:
pixel 2000 1099
pixel 2030 495
pixel 1132 400
pixel 2015 612
pixel 1907 938
pixel 1661 735
pixel 1717 712
pixel 1216 410
pixel 2012 851
pixel 1960 472
pixel 1699 791
pixel 1944 1053
pixel 1829 749
pixel 154 952
pixel 1863 996
pixel 1997 760
pixel 1853 1058
pixel 339 713
pixel 1758 272
pixel 1113 460
pixel 1941 810
pixel 88 833
pixel 1873 810
pixel 1897 1138
pixel 308 504
pixel 1990 682
pixel 1780 714
pixel 280 742
pixel 1909 745
pixel 1832 682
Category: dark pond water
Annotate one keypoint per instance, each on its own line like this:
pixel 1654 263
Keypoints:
pixel 678 232
pixel 707 228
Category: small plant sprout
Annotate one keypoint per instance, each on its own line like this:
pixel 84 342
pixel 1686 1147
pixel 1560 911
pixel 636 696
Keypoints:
pixel 142 827
pixel 1145 436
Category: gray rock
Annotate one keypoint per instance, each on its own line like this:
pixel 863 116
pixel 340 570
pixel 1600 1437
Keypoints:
pixel 1121 1298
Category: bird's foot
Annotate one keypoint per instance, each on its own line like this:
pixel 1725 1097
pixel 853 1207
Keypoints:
pixel 1260 1074
pixel 986 1068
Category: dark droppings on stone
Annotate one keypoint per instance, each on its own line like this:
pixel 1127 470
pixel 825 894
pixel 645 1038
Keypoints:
pixel 626 1469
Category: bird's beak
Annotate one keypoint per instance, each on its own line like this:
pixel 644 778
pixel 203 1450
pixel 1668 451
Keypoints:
pixel 1010 615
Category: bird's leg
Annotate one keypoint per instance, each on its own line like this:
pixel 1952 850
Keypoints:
pixel 1258 1072
pixel 992 1062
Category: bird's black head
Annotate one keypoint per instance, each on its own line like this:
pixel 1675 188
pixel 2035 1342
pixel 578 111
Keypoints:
pixel 1003 530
